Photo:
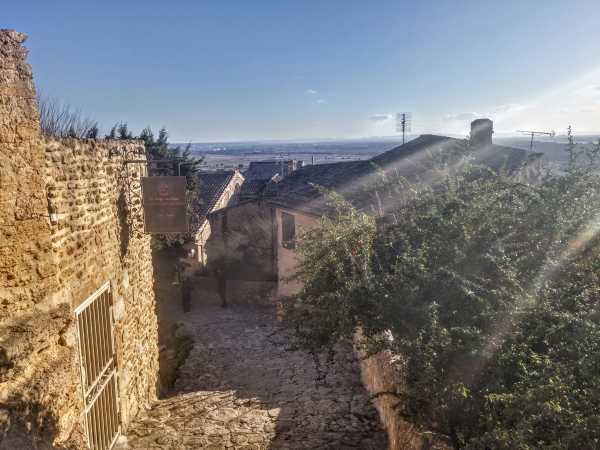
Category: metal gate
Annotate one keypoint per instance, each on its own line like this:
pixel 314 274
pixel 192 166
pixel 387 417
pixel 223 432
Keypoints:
pixel 98 369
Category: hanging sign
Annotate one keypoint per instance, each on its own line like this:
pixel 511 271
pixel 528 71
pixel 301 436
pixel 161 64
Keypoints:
pixel 165 208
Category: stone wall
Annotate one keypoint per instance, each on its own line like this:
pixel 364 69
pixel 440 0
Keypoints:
pixel 30 326
pixel 99 238
pixel 48 268
pixel 18 108
pixel 382 378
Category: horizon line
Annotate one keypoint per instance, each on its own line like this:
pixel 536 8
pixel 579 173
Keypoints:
pixel 501 134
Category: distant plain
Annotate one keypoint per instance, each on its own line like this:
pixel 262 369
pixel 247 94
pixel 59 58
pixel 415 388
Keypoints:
pixel 238 155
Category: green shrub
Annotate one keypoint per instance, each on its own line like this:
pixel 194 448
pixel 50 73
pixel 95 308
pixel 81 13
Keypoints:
pixel 489 289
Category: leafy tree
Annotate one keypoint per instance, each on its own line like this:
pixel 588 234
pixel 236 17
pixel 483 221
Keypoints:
pixel 337 279
pixel 165 159
pixel 112 134
pixel 123 131
pixel 487 289
pixel 93 132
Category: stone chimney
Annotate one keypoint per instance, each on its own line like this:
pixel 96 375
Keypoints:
pixel 481 132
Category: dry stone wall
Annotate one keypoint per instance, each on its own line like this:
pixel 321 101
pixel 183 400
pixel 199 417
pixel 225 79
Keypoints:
pixel 48 268
pixel 28 325
pixel 384 380
pixel 99 238
pixel 379 376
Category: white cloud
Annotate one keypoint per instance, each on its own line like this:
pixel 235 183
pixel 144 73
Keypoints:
pixel 380 117
pixel 591 89
pixel 462 116
pixel 574 103
pixel 508 108
pixel 311 92
pixel 322 101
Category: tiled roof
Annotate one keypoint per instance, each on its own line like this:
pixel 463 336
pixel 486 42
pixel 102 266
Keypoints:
pixel 260 173
pixel 263 170
pixel 251 188
pixel 298 190
pixel 407 157
pixel 410 160
pixel 212 185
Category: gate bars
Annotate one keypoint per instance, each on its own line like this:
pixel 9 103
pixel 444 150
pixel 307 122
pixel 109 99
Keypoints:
pixel 98 369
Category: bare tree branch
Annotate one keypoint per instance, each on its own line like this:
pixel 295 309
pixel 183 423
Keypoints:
pixel 60 120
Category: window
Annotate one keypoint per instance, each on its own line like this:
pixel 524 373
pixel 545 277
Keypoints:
pixel 288 231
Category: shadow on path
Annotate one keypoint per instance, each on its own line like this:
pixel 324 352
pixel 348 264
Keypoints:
pixel 243 388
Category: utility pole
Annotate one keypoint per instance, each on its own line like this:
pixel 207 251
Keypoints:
pixel 403 122
pixel 536 133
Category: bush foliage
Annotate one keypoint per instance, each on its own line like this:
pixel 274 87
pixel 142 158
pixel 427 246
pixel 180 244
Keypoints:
pixel 489 290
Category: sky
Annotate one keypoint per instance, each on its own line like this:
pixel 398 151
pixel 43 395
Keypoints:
pixel 280 69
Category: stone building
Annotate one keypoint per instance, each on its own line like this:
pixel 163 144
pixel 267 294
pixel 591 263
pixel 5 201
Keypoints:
pixel 217 190
pixel 78 328
pixel 295 203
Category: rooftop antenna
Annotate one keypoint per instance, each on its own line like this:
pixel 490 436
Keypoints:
pixel 536 133
pixel 570 136
pixel 403 122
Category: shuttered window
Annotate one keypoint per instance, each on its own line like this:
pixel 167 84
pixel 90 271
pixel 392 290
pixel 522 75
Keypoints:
pixel 288 231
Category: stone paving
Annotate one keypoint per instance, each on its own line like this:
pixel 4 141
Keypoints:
pixel 243 387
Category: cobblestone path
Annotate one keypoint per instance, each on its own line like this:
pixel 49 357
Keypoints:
pixel 243 388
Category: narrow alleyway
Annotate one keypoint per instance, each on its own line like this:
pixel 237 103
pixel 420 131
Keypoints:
pixel 242 387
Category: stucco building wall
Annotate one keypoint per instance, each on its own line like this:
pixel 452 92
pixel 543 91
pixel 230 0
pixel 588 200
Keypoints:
pixel 287 259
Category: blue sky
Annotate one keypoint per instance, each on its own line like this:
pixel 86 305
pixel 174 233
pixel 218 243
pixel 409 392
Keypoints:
pixel 236 70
